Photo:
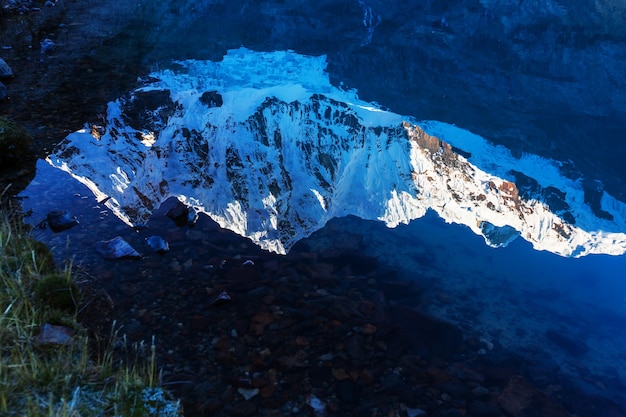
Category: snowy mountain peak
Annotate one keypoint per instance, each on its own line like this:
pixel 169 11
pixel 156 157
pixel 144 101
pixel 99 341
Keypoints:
pixel 268 148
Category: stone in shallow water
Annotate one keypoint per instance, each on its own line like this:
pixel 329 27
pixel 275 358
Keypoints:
pixel 520 398
pixel 222 299
pixel 248 393
pixel 60 220
pixel 158 244
pixel 116 248
pixel 575 347
pixel 5 70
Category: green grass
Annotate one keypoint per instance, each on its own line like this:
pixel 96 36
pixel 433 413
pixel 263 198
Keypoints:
pixel 63 379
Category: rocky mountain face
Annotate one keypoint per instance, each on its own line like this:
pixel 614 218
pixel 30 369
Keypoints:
pixel 266 146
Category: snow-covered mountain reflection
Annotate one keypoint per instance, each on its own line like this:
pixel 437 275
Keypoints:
pixel 268 148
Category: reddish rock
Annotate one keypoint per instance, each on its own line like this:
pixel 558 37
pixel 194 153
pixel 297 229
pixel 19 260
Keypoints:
pixel 268 391
pixel 260 321
pixel 367 377
pixel 258 362
pixel 268 299
pixel 369 329
pixel 245 408
pixel 521 398
pixel 301 358
pixel 286 361
pixel 199 323
pixel 438 375
pixel 340 374
pixel 223 343
pixel 302 341
pixel 225 358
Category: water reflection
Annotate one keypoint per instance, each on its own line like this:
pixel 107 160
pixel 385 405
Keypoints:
pixel 549 309
pixel 268 148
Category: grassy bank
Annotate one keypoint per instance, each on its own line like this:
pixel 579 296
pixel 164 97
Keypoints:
pixel 48 367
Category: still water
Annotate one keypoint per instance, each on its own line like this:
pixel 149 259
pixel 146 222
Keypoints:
pixel 561 313
pixel 567 312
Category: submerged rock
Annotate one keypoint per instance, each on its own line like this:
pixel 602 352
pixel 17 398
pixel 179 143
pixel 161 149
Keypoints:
pixel 61 220
pixel 5 70
pixel 521 398
pixel 116 248
pixel 221 299
pixel 573 346
pixel 158 244
pixel 47 45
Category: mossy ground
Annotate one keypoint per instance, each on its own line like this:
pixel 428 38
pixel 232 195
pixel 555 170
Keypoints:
pixel 42 378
